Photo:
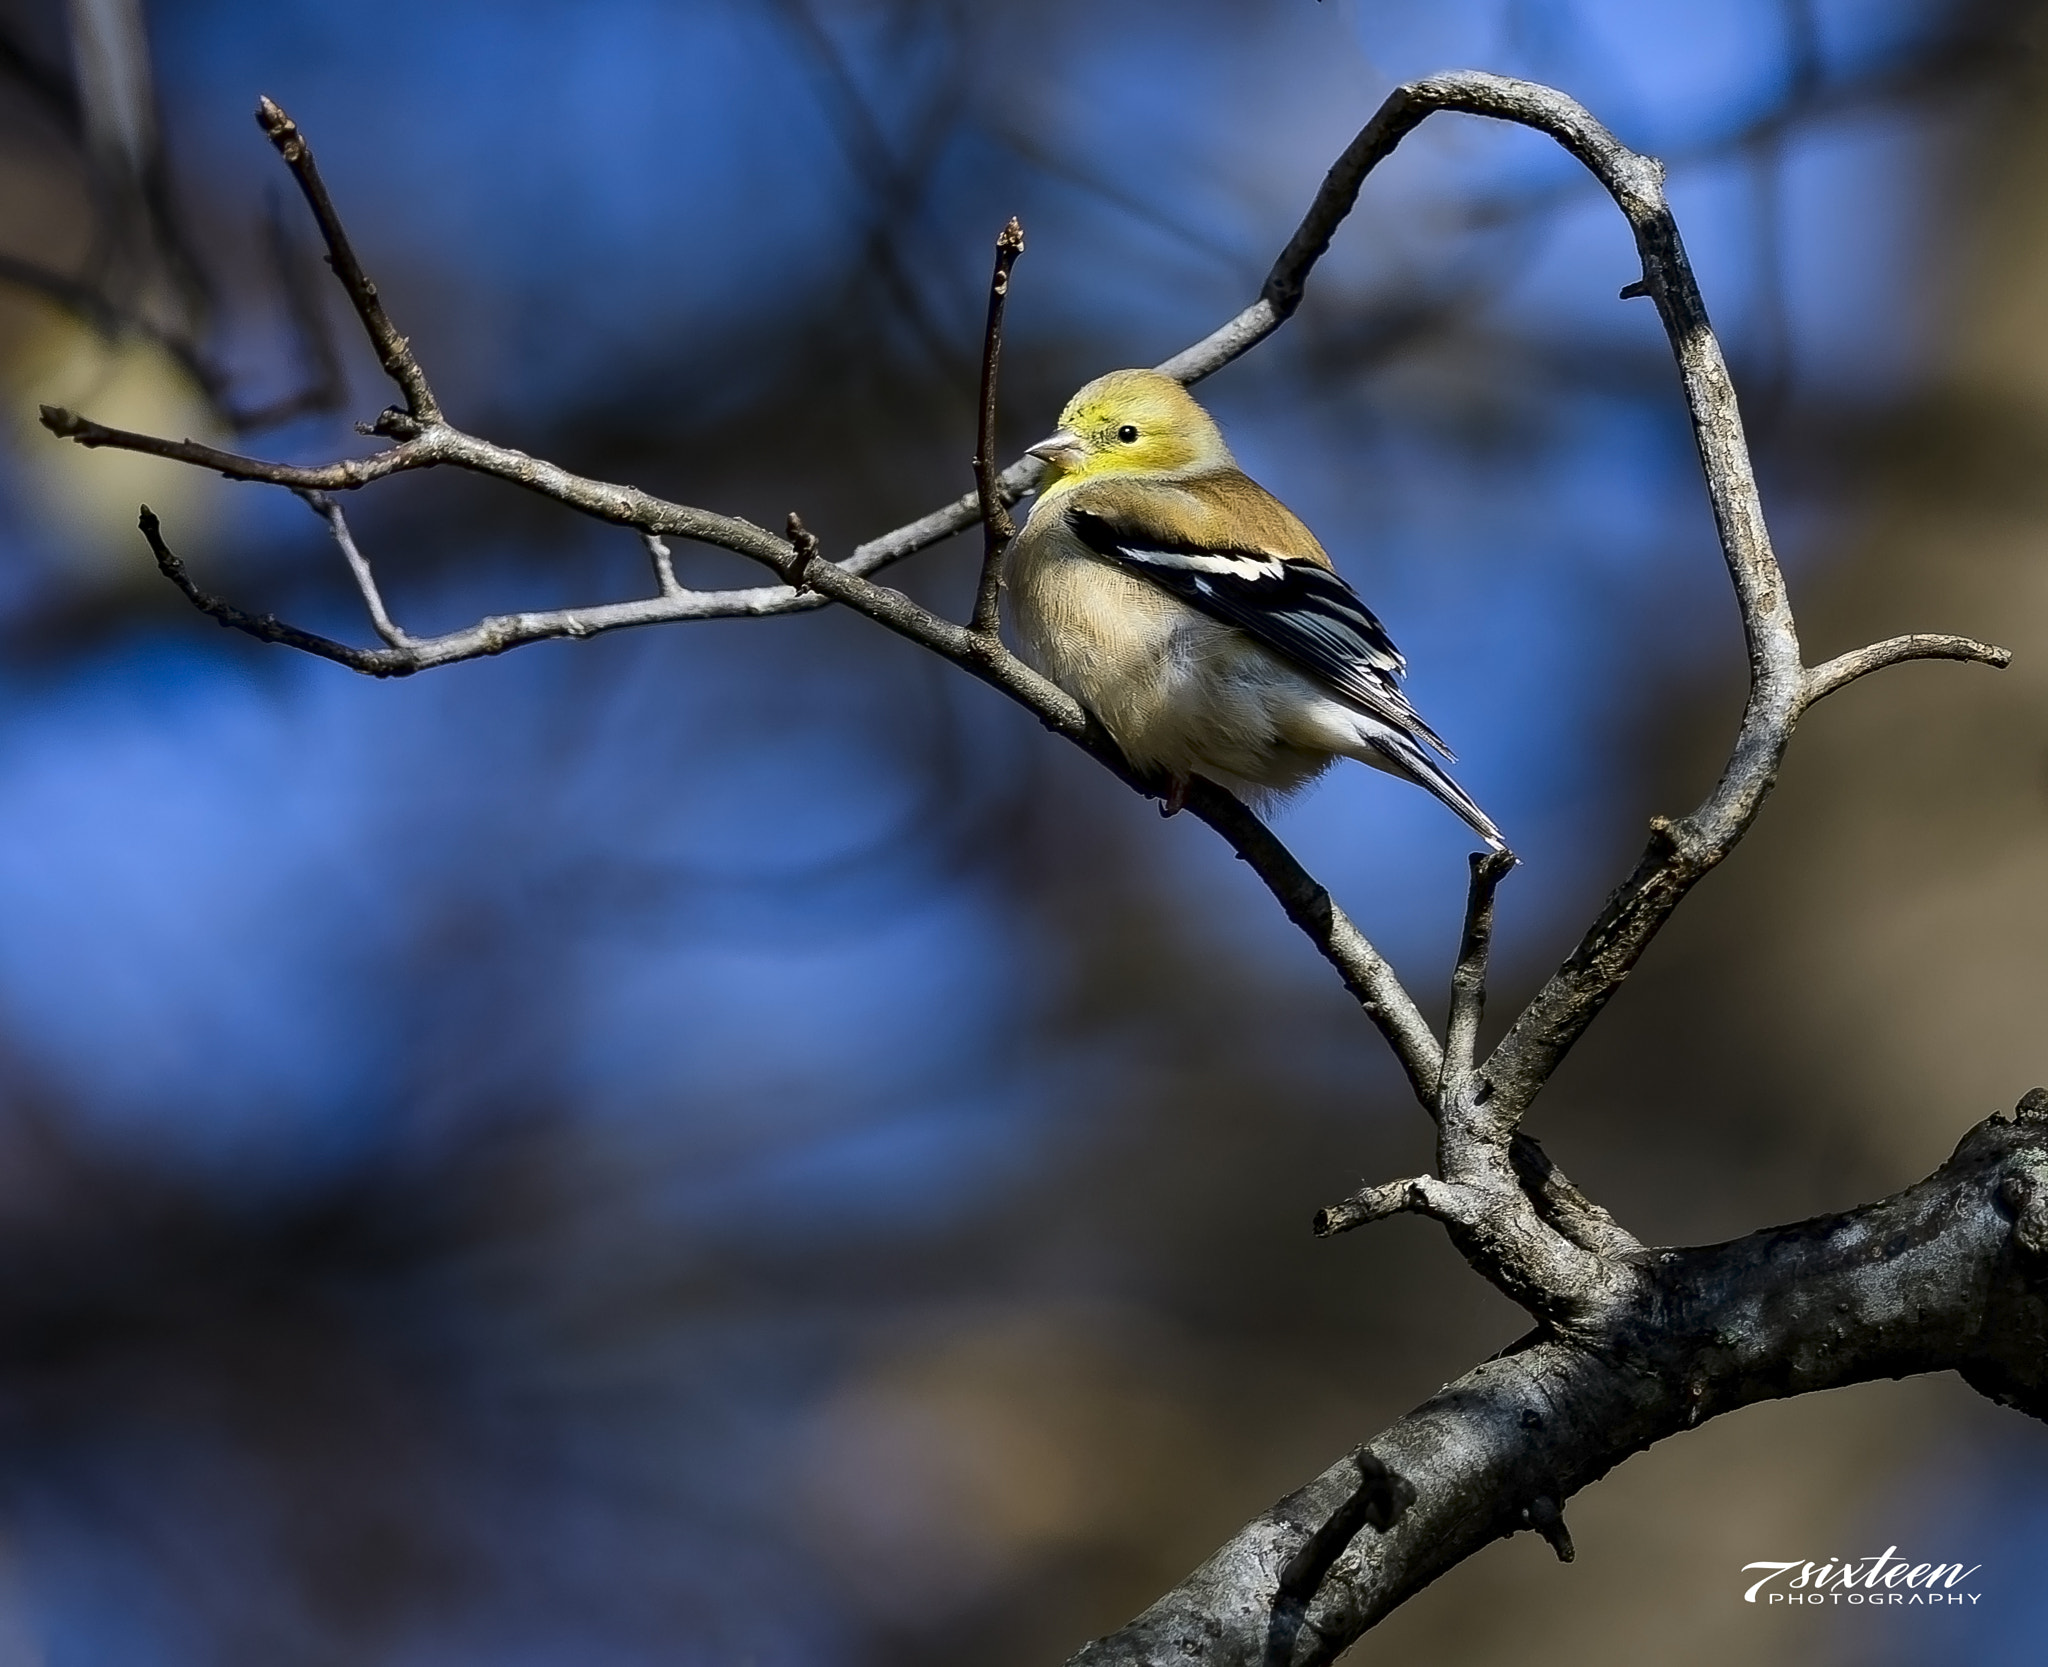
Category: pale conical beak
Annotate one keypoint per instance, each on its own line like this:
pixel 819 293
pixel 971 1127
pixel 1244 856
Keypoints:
pixel 1062 450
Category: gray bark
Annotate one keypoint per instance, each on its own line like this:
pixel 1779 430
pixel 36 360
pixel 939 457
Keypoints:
pixel 1949 1275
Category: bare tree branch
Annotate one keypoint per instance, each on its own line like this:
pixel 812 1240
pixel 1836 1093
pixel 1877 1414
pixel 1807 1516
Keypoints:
pixel 381 662
pixel 1468 978
pixel 431 443
pixel 997 527
pixel 337 524
pixel 1366 973
pixel 1496 1221
pixel 393 352
pixel 1203 358
pixel 1844 669
pixel 664 564
pixel 437 445
pixel 1421 1195
pixel 1962 1285
pixel 1680 851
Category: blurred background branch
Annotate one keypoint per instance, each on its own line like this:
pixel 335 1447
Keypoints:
pixel 139 276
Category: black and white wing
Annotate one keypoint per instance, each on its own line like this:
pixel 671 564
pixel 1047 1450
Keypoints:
pixel 1299 609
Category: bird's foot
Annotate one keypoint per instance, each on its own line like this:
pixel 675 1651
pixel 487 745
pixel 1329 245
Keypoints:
pixel 1175 799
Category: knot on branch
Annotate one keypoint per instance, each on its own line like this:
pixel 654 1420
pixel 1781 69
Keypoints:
pixel 1379 1501
pixel 1677 844
pixel 2023 1188
pixel 1546 1517
pixel 803 550
pixel 2008 1356
pixel 2023 1195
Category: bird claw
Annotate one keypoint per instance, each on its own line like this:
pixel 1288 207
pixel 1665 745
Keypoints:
pixel 1174 800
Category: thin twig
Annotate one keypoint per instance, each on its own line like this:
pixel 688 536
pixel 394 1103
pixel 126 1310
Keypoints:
pixel 442 446
pixel 1844 669
pixel 337 524
pixel 266 627
pixel 1236 336
pixel 393 352
pixel 997 527
pixel 1421 1195
pixel 664 564
pixel 1468 980
pixel 343 475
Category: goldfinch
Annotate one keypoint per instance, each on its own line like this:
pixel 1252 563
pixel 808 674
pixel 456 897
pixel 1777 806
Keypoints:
pixel 1199 621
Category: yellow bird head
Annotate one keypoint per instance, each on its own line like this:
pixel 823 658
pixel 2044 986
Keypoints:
pixel 1131 422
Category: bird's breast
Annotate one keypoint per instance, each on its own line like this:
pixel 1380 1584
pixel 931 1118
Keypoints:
pixel 1091 629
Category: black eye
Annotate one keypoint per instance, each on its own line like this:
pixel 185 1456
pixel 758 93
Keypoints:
pixel 1128 434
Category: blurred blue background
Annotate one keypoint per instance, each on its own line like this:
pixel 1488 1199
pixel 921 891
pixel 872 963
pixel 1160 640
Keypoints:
pixel 722 1144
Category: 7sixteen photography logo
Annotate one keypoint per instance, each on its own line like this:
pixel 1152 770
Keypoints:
pixel 1887 1579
